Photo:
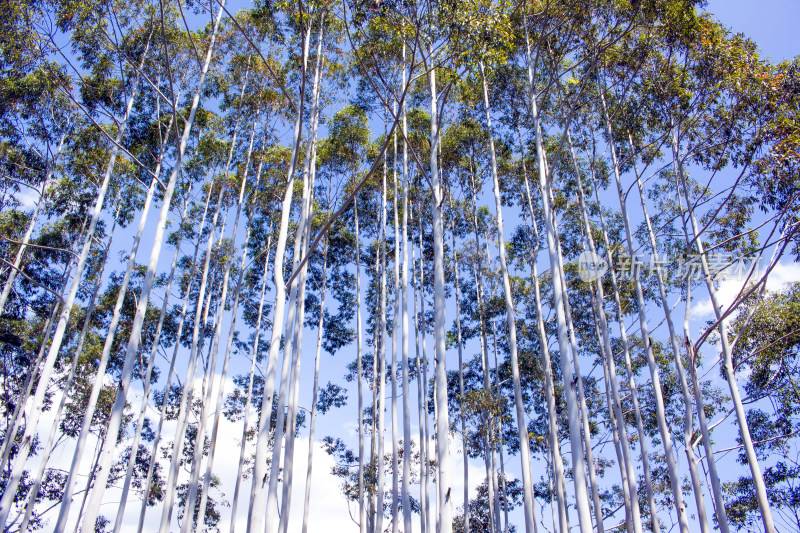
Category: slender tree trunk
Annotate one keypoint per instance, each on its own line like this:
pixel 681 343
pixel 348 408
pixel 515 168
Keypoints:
pixel 727 356
pixel 633 513
pixel 440 325
pixel 404 280
pixel 688 429
pixel 587 440
pixel 381 363
pixel 182 322
pixel 141 308
pixel 249 396
pixel 309 470
pixel 629 370
pixel 257 509
pixel 573 414
pixel 362 516
pixel 46 371
pixel 272 521
pixel 232 330
pixel 547 365
pixel 663 428
pixel 461 385
pixel 33 493
pixel 426 408
pixel 421 412
pixel 397 342
pixel 12 273
pixel 491 451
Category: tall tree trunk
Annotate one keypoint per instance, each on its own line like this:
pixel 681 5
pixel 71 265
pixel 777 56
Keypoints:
pixel 165 403
pixel 688 429
pixel 440 325
pixel 663 428
pixel 33 493
pixel 397 342
pixel 404 280
pixel 727 356
pixel 491 450
pixel 461 384
pixel 381 380
pixel 32 420
pixel 257 508
pixel 633 513
pixel 249 395
pixel 362 515
pixel 573 414
pixel 629 369
pixel 422 396
pixel 547 365
pixel 23 245
pixel 309 470
pixel 289 354
pixel 232 330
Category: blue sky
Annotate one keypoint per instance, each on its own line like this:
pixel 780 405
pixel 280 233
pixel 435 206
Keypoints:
pixel 770 23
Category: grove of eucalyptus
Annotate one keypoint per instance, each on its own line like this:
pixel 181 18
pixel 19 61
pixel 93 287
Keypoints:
pixel 545 242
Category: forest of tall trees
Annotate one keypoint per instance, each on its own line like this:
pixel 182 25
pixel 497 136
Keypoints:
pixel 497 266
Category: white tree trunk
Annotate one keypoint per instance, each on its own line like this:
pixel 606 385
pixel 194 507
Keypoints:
pixel 727 356
pixel 440 325
pixel 46 371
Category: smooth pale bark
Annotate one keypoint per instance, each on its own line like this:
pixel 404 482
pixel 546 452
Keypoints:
pixel 12 272
pixel 491 451
pixel 91 403
pixel 663 428
pixel 688 426
pixel 522 426
pixel 381 379
pixel 297 344
pixel 629 368
pixel 421 403
pixel 200 321
pixel 445 516
pixel 371 515
pixel 237 292
pixel 19 410
pixel 404 280
pixel 463 417
pixel 33 493
pixel 104 466
pixel 547 365
pixel 157 337
pixel 727 355
pixel 290 370
pixel 503 487
pixel 615 405
pixel 573 414
pixel 249 395
pixel 181 323
pixel 426 441
pixel 309 469
pixel 257 508
pixel 32 419
pixel 396 347
pixel 209 379
pixel 613 425
pixel 587 440
pixel 708 445
pixel 362 512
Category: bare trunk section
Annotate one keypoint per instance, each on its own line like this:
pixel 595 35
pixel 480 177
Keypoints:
pixel 46 371
pixel 727 356
pixel 440 325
